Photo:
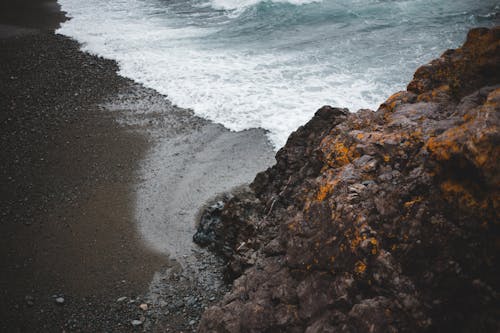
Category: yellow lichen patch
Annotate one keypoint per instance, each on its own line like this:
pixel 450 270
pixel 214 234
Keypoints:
pixel 416 135
pixel 493 98
pixel 481 159
pixel 360 267
pixel 360 136
pixel 434 94
pixel 444 146
pixel 374 243
pixel 354 239
pixel 355 242
pixel 468 117
pixel 456 191
pixel 412 202
pixel 326 186
pixel 342 247
pixel 452 187
pixel 395 97
pixel 341 153
pixel 337 152
pixel 387 158
pixel 323 191
pixel 393 101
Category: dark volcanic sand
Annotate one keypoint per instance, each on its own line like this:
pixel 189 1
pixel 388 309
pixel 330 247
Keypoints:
pixel 69 174
pixel 66 167
pixel 35 14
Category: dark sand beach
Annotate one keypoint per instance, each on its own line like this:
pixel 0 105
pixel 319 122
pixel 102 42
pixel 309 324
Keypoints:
pixel 83 151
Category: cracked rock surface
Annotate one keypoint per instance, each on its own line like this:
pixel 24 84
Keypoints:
pixel 376 221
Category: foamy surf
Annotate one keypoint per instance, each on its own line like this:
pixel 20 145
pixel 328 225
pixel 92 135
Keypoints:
pixel 271 64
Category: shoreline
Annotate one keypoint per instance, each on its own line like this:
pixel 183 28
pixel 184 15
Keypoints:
pixel 76 140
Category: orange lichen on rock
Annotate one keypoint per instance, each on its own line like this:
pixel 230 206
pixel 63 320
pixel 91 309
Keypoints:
pixel 323 191
pixel 474 139
pixel 447 144
pixel 454 191
pixel 360 267
pixel 381 214
pixel 374 243
pixel 337 153
pixel 354 239
pixel 396 99
pixel 460 69
pixel 441 92
pixel 341 154
pixel 415 200
pixel 493 99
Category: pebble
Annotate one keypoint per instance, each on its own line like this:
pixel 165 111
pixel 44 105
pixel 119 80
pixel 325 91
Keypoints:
pixel 192 322
pixel 60 300
pixel 191 301
pixel 121 299
pixel 30 300
pixel 143 306
pixel 136 322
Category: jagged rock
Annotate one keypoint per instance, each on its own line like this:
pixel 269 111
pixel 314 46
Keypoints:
pixel 377 221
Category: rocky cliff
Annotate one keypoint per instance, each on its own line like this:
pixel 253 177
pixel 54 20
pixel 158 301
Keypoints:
pixel 375 221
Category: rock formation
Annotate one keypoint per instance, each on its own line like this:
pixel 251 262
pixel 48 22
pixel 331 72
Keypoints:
pixel 376 221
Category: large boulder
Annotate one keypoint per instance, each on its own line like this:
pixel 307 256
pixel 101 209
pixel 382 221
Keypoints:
pixel 377 221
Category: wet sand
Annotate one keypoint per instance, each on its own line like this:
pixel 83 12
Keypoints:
pixel 66 208
pixel 101 180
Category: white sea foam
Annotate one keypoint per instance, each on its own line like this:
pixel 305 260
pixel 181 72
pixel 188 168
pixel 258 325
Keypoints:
pixel 269 77
pixel 238 89
pixel 242 4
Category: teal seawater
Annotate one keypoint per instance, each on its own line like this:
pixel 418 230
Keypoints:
pixel 271 64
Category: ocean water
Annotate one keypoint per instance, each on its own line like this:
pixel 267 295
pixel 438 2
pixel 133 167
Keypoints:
pixel 273 63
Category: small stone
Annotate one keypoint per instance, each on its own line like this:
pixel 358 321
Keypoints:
pixel 136 323
pixel 30 300
pixel 60 300
pixel 192 322
pixel 144 307
pixel 191 301
pixel 121 299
